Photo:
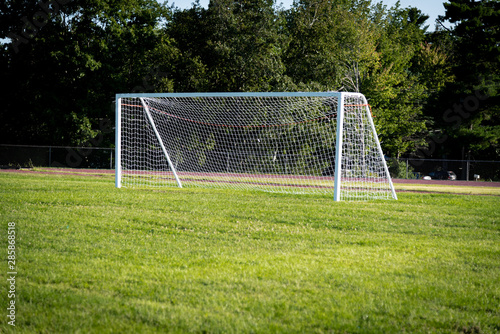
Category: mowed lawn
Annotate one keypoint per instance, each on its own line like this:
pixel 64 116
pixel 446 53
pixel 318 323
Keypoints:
pixel 95 259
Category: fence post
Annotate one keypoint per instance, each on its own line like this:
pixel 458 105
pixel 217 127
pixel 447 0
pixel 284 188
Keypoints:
pixel 50 155
pixel 407 168
pixel 468 166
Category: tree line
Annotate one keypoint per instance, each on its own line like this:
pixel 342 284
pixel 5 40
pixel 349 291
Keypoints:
pixel 432 93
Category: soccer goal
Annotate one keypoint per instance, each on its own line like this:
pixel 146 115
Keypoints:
pixel 304 143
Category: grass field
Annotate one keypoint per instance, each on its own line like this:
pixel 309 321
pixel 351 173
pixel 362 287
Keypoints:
pixel 94 259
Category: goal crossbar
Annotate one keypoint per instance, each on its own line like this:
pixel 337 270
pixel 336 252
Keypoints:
pixel 319 142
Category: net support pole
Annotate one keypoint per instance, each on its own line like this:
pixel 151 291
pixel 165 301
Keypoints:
pixel 157 134
pixel 118 144
pixel 379 148
pixel 338 148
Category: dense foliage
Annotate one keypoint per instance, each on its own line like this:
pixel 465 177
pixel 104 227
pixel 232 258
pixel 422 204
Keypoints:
pixel 432 93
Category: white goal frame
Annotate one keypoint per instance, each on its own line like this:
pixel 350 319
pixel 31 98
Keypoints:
pixel 347 184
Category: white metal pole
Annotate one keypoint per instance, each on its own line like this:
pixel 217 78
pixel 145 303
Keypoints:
pixel 146 109
pixel 381 153
pixel 118 144
pixel 338 147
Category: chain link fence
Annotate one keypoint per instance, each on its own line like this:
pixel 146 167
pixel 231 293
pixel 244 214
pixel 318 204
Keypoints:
pixel 26 156
pixel 467 170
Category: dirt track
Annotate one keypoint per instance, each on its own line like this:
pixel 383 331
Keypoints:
pixel 449 183
pixel 100 172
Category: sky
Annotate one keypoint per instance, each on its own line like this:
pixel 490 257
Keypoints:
pixel 433 8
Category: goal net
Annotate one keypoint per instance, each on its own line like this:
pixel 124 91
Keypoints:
pixel 304 143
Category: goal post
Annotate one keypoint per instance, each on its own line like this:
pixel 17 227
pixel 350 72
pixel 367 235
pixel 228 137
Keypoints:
pixel 304 143
pixel 338 149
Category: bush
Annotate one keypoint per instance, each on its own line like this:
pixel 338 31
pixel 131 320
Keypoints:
pixel 400 169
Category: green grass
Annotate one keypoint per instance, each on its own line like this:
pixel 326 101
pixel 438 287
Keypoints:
pixel 92 258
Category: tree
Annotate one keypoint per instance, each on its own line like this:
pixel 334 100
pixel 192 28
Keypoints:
pixel 351 45
pixel 326 39
pixel 66 71
pixel 393 85
pixel 244 46
pixel 231 46
pixel 189 31
pixel 469 109
pixel 66 60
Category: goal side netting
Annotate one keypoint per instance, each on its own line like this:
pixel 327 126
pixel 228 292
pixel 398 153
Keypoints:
pixel 303 143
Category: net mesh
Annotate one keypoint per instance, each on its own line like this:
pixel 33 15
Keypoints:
pixel 272 143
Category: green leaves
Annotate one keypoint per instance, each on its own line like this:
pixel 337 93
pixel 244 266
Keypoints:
pixel 474 59
pixel 87 51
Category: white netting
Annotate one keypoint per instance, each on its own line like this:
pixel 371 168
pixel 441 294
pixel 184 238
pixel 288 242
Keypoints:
pixel 272 143
pixel 363 166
